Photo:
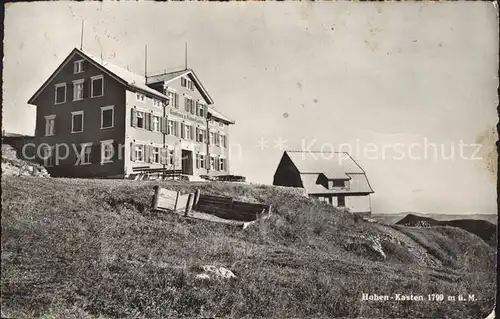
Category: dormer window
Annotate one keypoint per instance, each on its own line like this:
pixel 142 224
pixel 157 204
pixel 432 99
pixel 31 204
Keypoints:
pixel 337 183
pixel 78 66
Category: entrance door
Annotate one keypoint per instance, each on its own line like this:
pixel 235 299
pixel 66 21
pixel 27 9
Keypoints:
pixel 187 162
pixel 341 201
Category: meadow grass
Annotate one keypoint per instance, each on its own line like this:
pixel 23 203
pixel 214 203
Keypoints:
pixel 74 248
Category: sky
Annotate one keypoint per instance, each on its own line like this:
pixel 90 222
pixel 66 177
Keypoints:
pixel 409 89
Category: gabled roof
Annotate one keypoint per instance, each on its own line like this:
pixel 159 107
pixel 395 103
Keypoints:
pixel 216 114
pixel 122 75
pixel 171 76
pixel 168 77
pixel 333 165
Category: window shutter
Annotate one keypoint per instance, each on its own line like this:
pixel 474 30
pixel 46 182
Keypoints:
pixel 186 104
pixel 225 140
pixel 197 160
pixel 116 151
pixel 183 131
pixel 183 81
pixel 134 118
pixel 163 155
pixel 176 100
pixel 132 151
pixel 147 121
pixel 147 153
pixel 164 123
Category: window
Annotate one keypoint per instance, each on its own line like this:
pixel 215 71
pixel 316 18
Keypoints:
pixel 189 132
pixel 78 66
pixel 157 103
pixel 212 163
pixel 107 116
pixel 200 109
pixel 187 83
pixel 139 152
pixel 212 138
pixel 174 98
pixel 200 160
pixel 156 123
pixel 200 133
pixel 77 122
pixel 338 183
pixel 223 141
pixel 170 157
pixel 50 125
pixel 155 158
pixel 189 105
pixel 48 156
pixel 140 97
pixel 222 164
pixel 107 151
pixel 60 93
pixel 77 90
pixel 171 128
pixel 140 119
pixel 86 153
pixel 97 86
pixel 220 140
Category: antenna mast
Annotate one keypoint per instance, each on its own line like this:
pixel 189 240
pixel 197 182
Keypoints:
pixel 81 36
pixel 186 56
pixel 146 62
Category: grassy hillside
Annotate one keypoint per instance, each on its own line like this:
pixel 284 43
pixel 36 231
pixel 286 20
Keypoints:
pixel 92 248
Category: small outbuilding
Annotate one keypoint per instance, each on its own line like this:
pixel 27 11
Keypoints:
pixel 332 177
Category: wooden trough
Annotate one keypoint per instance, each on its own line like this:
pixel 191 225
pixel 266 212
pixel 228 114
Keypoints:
pixel 209 207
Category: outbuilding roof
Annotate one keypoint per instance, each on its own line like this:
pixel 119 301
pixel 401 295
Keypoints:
pixel 333 165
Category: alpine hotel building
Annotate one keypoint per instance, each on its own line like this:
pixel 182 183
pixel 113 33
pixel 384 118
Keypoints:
pixel 95 119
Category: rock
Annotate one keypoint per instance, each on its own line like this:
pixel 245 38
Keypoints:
pixel 215 272
pixel 202 276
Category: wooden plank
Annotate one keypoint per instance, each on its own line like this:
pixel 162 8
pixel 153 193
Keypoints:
pixel 182 202
pixel 215 198
pixel 165 198
pixel 189 204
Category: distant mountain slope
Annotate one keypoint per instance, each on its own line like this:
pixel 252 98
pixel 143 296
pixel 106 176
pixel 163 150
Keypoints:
pixel 391 219
pixel 482 228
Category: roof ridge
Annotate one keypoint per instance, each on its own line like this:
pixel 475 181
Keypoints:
pixel 296 151
pixel 170 72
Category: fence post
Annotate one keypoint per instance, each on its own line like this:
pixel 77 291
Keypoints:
pixel 196 197
pixel 156 196
pixel 188 205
